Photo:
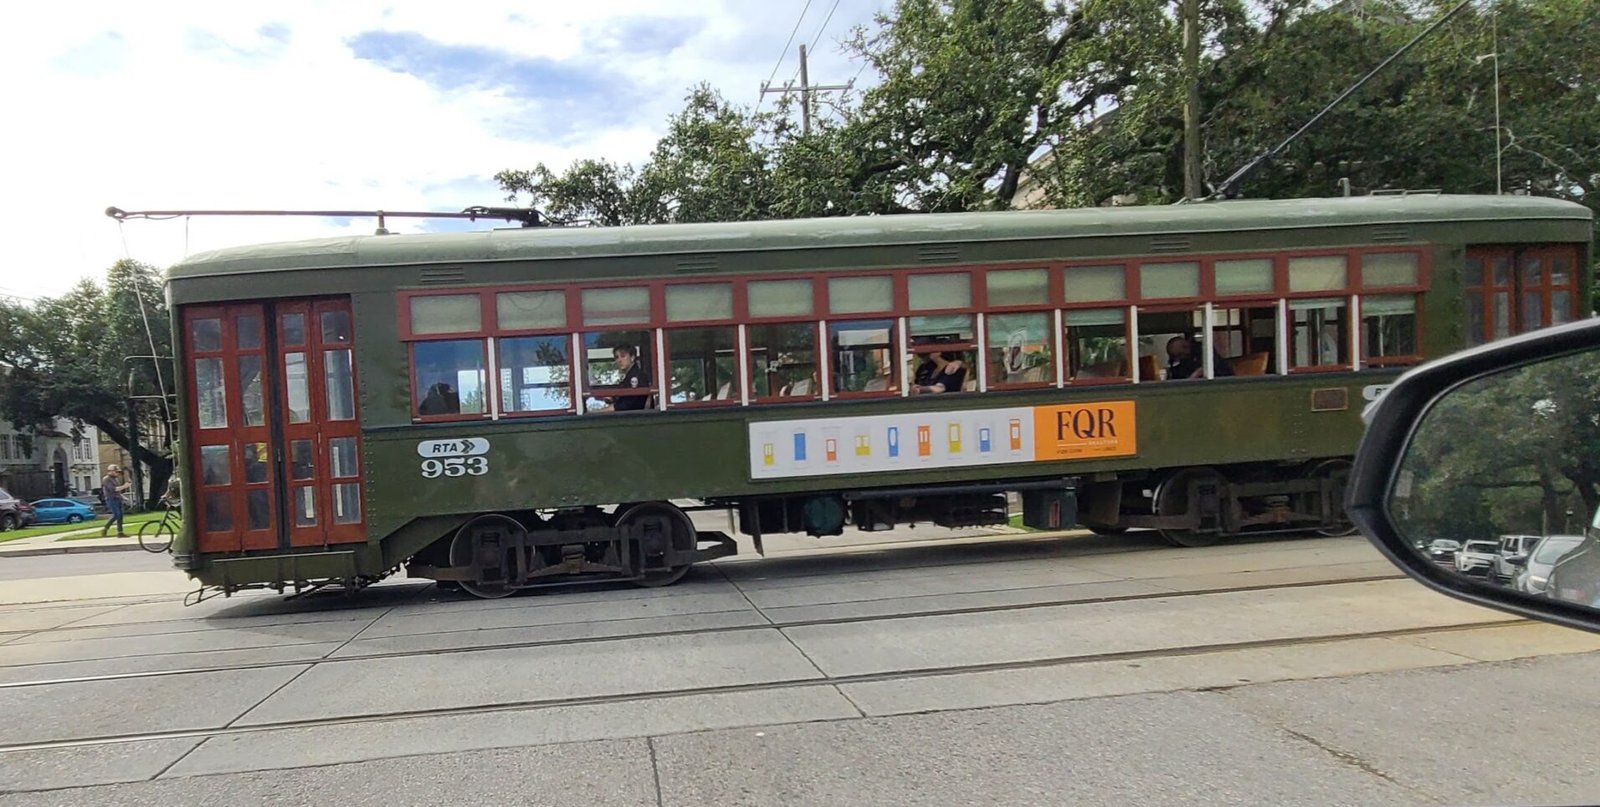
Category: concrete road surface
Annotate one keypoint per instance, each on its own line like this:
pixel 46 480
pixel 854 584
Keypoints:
pixel 903 668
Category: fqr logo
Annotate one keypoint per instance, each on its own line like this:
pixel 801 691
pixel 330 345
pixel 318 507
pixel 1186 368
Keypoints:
pixel 1077 431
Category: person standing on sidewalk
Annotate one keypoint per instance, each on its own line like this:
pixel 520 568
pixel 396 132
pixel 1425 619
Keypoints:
pixel 111 489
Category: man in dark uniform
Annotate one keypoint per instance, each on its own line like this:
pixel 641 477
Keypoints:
pixel 633 378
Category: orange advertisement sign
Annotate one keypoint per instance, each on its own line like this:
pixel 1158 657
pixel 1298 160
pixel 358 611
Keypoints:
pixel 1081 431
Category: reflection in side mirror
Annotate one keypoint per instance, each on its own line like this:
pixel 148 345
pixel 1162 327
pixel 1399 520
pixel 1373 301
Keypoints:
pixel 1500 481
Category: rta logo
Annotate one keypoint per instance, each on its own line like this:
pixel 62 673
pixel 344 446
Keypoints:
pixel 1086 423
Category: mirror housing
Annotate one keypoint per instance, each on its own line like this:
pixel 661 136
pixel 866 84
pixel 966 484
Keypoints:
pixel 1517 560
pixel 1392 423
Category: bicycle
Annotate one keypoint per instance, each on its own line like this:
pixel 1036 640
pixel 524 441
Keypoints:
pixel 156 536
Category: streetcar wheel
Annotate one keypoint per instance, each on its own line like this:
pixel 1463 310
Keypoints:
pixel 681 538
pixel 464 551
pixel 1172 499
pixel 1337 471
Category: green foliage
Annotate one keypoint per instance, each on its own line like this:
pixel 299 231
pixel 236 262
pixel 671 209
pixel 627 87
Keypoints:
pixel 1511 453
pixel 68 357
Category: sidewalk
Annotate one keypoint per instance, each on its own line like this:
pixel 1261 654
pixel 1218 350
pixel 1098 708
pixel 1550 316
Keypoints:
pixel 61 543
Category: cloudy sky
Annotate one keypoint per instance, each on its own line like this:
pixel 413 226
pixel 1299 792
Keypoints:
pixel 351 105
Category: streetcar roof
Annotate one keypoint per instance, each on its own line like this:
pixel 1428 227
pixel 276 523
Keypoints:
pixel 907 229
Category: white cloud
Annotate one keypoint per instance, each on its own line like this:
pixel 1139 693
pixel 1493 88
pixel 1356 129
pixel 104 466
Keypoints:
pixel 221 105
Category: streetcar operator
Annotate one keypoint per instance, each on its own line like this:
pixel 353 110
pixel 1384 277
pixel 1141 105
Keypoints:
pixel 633 377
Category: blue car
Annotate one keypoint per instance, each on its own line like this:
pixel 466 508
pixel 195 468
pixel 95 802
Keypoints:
pixel 61 511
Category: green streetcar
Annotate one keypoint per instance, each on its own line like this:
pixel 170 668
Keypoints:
pixel 536 406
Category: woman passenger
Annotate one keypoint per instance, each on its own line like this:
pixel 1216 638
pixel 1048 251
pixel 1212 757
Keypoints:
pixel 950 374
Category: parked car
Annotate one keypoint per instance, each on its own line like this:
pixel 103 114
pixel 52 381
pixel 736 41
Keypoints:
pixel 14 512
pixel 1443 550
pixel 1477 557
pixel 1535 573
pixel 1512 546
pixel 61 511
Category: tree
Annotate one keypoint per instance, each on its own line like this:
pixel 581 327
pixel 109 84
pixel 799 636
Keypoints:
pixel 68 357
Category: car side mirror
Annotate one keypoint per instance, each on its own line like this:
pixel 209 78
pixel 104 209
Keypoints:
pixel 1499 440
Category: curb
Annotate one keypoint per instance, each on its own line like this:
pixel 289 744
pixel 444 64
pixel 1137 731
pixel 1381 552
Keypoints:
pixel 33 551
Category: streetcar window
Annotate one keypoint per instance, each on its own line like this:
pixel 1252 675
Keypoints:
pixel 952 337
pixel 293 333
pixel 1318 335
pixel 1318 273
pixel 342 457
pixel 863 354
pixel 446 313
pixel 1094 284
pixel 1014 287
pixel 301 460
pixel 700 302
pixel 335 327
pixel 1020 349
pixel 1169 280
pixel 297 387
pixel 942 291
pixel 783 360
pixel 339 384
pixel 620 369
pixel 347 503
pixel 860 295
pixel 1388 270
pixel 211 394
pixel 1244 276
pixel 1245 338
pixel 247 329
pixel 780 298
pixel 1163 353
pixel 206 335
pixel 215 466
pixel 629 305
pixel 250 391
pixel 1388 327
pixel 1097 344
pixel 257 505
pixel 703 365
pixel 449 377
pixel 535 374
pixel 218 512
pixel 531 310
pixel 305 506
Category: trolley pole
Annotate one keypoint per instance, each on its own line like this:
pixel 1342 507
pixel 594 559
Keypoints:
pixel 1193 176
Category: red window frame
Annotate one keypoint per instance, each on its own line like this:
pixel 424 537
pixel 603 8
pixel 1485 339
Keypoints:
pixel 1129 358
pixel 1368 360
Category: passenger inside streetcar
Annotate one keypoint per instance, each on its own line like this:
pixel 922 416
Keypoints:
pixel 441 400
pixel 949 374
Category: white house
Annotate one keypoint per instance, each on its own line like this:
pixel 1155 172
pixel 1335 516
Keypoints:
pixel 54 465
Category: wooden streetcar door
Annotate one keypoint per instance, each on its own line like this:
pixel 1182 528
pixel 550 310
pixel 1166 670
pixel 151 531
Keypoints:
pixel 229 438
pixel 274 435
pixel 321 429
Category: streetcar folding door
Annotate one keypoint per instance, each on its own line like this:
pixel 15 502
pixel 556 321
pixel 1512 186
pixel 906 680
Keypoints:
pixel 274 431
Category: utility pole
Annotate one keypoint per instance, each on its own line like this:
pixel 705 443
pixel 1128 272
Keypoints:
pixel 806 89
pixel 1193 177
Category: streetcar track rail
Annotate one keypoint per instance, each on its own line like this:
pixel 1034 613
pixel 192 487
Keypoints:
pixel 574 640
pixel 764 686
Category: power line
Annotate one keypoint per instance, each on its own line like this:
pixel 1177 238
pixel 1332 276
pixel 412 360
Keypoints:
pixel 818 37
pixel 783 53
